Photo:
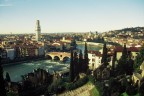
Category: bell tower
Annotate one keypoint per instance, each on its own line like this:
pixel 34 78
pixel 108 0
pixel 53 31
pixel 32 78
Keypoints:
pixel 38 31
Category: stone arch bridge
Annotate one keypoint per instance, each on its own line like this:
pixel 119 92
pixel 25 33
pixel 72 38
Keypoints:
pixel 57 55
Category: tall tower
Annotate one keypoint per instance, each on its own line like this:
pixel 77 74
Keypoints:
pixel 38 30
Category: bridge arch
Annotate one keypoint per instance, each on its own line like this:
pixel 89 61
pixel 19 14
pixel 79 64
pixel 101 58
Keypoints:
pixel 58 55
pixel 66 58
pixel 49 57
pixel 56 58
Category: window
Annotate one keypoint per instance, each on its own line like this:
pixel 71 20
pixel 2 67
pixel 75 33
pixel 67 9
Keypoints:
pixel 92 64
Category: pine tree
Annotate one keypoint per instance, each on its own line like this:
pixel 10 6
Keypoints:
pixel 80 61
pixel 71 68
pixel 2 82
pixel 86 59
pixel 104 55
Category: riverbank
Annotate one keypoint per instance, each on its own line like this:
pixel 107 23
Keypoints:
pixel 23 61
pixel 89 43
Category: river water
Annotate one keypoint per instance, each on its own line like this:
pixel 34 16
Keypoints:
pixel 18 69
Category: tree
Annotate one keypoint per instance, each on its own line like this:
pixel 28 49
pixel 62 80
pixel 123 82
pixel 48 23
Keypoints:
pixel 80 61
pixel 73 44
pixel 124 52
pixel 139 59
pixel 63 48
pixel 122 63
pixel 71 68
pixel 113 61
pixel 76 66
pixel 86 60
pixel 104 55
pixel 131 91
pixel 141 89
pixel 8 77
pixel 2 82
pixel 129 66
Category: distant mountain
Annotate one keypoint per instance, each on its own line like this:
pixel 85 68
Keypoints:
pixel 132 29
pixel 134 32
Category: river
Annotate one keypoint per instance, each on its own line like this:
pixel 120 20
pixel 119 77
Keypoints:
pixel 16 70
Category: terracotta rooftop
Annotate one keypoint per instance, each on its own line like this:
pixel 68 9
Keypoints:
pixel 132 49
pixel 97 53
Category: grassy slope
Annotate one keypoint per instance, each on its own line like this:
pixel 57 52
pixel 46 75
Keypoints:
pixel 94 92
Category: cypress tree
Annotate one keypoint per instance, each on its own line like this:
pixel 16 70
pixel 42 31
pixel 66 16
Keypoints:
pixel 113 61
pixel 76 66
pixel 130 66
pixel 124 52
pixel 113 64
pixel 71 68
pixel 122 63
pixel 2 82
pixel 80 61
pixel 86 58
pixel 8 77
pixel 104 55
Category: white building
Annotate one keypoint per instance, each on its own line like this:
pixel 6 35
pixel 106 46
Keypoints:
pixel 94 59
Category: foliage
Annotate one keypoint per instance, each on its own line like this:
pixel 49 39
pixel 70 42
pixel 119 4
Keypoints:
pixel 12 94
pixel 125 64
pixel 80 82
pixel 139 59
pixel 94 92
pixel 2 82
pixel 71 68
pixel 99 87
pixel 91 79
pixel 130 90
pixel 80 61
pixel 8 77
pixel 57 86
pixel 73 45
pixel 76 65
pixel 104 55
pixel 141 89
pixel 85 59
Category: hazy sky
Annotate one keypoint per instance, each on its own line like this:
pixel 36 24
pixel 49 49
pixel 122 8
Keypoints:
pixel 19 16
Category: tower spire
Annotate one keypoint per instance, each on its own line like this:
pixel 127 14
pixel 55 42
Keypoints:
pixel 38 30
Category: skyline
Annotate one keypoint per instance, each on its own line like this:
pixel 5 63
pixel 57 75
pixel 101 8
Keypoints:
pixel 19 16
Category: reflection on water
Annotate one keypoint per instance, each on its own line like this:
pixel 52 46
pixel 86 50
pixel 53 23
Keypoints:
pixel 17 70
